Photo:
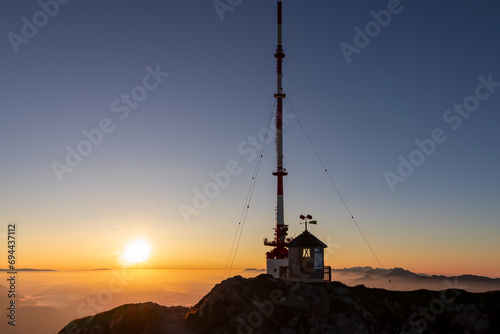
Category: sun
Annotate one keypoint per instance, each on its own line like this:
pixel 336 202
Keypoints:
pixel 137 251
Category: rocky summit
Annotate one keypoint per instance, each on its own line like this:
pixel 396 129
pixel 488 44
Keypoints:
pixel 267 305
pixel 133 319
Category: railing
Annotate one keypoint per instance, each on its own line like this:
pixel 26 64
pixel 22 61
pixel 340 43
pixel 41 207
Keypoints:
pixel 327 271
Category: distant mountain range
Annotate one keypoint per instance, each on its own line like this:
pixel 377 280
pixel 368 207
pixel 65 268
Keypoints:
pixel 405 280
pixel 356 270
pixel 27 269
pixel 254 269
pixel 396 271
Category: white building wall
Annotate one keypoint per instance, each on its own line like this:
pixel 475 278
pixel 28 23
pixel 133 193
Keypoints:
pixel 273 266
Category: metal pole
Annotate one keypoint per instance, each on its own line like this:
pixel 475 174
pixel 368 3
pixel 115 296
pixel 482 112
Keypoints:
pixel 279 243
pixel 280 171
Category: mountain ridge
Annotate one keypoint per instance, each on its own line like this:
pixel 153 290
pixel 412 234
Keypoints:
pixel 405 280
pixel 264 304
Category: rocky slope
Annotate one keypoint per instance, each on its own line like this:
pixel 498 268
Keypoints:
pixel 133 319
pixel 267 305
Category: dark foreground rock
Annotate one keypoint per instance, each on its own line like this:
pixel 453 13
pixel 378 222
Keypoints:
pixel 267 305
pixel 133 319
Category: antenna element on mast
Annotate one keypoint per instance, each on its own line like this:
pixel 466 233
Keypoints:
pixel 279 252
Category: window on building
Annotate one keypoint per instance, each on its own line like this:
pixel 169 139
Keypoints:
pixel 306 252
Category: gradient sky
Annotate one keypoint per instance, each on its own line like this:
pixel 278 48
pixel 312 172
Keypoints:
pixel 361 115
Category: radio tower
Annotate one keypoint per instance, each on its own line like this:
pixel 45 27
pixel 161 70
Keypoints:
pixel 278 256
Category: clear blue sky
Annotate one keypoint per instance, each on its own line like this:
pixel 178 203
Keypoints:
pixel 361 115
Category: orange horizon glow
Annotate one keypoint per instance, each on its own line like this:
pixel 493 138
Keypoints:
pixel 429 270
pixel 77 250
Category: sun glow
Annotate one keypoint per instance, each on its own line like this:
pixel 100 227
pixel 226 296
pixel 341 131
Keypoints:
pixel 137 251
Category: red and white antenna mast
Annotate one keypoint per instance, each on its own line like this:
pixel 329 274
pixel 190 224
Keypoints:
pixel 279 243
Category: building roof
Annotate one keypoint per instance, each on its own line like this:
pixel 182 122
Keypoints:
pixel 306 239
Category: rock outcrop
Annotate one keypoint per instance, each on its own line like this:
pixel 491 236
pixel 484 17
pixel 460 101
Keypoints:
pixel 267 305
pixel 133 319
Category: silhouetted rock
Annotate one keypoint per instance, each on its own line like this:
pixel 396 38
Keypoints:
pixel 267 305
pixel 145 318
